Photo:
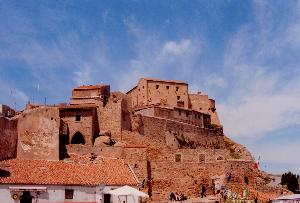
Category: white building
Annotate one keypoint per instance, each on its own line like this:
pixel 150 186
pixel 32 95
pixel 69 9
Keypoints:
pixel 41 181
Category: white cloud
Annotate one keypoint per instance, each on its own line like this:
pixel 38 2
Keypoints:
pixel 215 81
pixel 155 57
pixel 174 48
pixel 262 96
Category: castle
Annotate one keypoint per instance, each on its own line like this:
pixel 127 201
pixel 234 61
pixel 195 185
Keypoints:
pixel 173 140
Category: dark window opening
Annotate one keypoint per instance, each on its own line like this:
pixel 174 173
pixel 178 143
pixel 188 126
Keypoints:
pixel 179 113
pixel 177 88
pixel 157 86
pixel 201 158
pixel 187 114
pixel 78 138
pixel 167 87
pixel 177 157
pixel 180 103
pixel 107 198
pixel 178 97
pixel 69 194
pixel 77 117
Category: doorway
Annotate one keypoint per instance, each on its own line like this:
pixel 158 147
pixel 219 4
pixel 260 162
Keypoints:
pixel 107 198
pixel 26 197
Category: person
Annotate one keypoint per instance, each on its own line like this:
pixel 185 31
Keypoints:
pixel 228 178
pixel 203 191
pixel 172 196
pixel 213 186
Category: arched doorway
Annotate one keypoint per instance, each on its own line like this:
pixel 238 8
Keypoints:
pixel 78 138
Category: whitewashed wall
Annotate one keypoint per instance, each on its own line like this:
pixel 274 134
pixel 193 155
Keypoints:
pixel 57 194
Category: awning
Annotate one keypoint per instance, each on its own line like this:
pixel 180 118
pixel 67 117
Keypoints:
pixel 127 191
pixel 28 188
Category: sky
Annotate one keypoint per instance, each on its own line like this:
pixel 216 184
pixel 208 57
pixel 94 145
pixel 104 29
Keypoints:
pixel 244 54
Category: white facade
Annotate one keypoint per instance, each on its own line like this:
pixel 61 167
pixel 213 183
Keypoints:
pixel 55 193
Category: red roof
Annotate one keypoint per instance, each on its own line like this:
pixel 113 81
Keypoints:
pixel 43 172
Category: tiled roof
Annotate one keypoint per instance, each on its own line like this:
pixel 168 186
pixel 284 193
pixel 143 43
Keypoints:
pixel 89 87
pixel 43 172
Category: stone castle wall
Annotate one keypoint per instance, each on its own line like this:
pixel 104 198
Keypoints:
pixel 179 134
pixel 38 134
pixel 85 125
pixel 115 115
pixel 202 103
pixel 8 138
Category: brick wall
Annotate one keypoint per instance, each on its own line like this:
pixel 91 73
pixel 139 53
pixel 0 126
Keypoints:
pixel 8 138
pixel 38 134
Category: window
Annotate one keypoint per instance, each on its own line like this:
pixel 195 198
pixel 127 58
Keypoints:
pixel 177 88
pixel 69 194
pixel 178 97
pixel 157 86
pixel 167 87
pixel 179 113
pixel 201 158
pixel 77 117
pixel 187 114
pixel 177 157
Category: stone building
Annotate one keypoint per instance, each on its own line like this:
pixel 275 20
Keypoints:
pixel 154 91
pixel 168 136
pixel 90 94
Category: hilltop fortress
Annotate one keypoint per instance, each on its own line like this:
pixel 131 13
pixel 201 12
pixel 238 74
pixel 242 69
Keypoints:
pixel 173 140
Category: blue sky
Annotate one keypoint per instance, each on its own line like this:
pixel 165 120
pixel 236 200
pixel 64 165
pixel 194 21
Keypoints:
pixel 244 54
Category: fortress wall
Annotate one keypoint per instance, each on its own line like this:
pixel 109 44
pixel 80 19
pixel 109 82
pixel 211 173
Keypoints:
pixel 115 115
pixel 174 177
pixel 38 134
pixel 110 117
pixel 85 126
pixel 126 113
pixel 178 134
pixel 203 104
pixel 8 138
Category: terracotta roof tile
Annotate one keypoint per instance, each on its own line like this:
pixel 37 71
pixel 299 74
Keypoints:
pixel 43 172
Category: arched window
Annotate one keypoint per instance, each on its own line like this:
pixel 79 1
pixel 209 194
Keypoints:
pixel 78 138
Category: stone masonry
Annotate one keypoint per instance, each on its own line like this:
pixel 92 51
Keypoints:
pixel 173 140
